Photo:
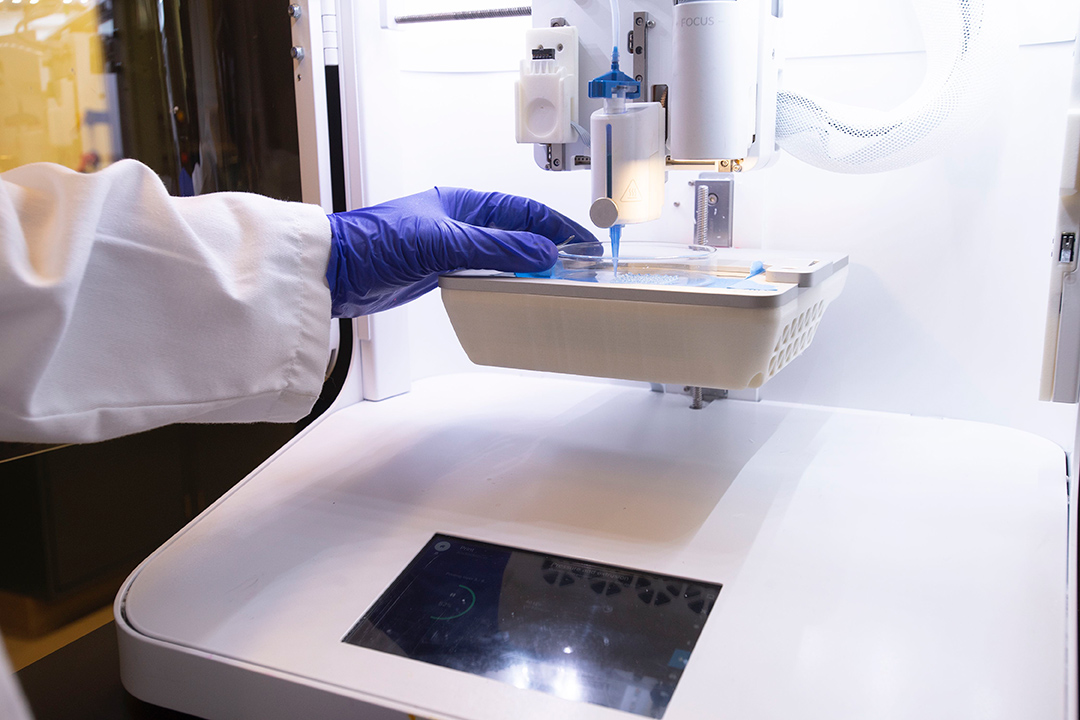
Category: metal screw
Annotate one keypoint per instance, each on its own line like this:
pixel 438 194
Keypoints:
pixel 638 78
pixel 555 162
pixel 295 11
pixel 652 23
pixel 639 21
pixel 713 199
pixel 559 47
pixel 297 52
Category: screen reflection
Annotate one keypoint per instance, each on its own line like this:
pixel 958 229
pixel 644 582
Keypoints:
pixel 581 631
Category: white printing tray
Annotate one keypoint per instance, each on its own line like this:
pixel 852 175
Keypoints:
pixel 710 337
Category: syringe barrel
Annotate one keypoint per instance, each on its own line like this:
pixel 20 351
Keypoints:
pixel 634 177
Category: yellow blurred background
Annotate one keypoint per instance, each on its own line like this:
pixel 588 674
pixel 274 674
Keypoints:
pixel 57 102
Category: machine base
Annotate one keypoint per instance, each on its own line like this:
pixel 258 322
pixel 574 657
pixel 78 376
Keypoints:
pixel 873 565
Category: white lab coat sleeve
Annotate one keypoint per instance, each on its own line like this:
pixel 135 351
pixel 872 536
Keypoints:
pixel 123 308
pixel 12 703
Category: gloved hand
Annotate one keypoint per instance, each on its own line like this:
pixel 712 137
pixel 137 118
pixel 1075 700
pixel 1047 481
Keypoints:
pixel 386 255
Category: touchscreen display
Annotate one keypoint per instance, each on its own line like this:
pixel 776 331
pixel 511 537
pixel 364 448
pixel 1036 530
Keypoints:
pixel 579 630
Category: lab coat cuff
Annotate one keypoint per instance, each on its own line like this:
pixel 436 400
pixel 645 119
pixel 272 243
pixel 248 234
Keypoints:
pixel 304 377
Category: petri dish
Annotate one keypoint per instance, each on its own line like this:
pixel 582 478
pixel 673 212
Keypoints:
pixel 654 264
pixel 634 255
pixel 664 276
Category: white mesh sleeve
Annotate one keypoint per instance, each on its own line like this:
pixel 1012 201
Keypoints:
pixel 966 43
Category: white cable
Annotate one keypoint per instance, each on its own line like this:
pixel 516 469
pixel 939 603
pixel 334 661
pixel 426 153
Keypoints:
pixel 966 43
pixel 583 134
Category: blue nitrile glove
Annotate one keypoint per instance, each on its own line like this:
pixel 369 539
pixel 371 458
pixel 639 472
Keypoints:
pixel 389 254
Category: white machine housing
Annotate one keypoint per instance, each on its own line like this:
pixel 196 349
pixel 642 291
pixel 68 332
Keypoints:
pixel 859 578
pixel 723 91
pixel 714 63
pixel 547 99
pixel 1061 352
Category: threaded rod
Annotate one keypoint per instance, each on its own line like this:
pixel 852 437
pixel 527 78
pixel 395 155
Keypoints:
pixel 701 215
pixel 523 11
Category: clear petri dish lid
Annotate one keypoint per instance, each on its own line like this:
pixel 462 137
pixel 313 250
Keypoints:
pixel 662 276
pixel 655 254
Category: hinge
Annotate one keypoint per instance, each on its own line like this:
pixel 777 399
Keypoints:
pixel 330 32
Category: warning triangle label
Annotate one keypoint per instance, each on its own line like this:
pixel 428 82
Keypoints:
pixel 632 193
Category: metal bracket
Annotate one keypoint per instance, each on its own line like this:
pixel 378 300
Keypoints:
pixel 639 48
pixel 713 203
pixel 556 156
pixel 700 397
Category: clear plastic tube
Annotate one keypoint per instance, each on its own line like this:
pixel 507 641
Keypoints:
pixel 614 105
pixel 615 31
